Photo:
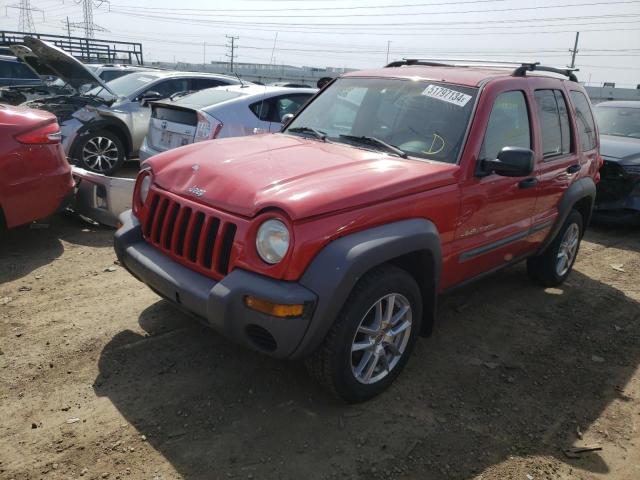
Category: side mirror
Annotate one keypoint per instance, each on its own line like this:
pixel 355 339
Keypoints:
pixel 286 119
pixel 146 97
pixel 511 162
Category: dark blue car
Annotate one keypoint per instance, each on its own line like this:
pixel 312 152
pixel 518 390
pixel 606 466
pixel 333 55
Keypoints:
pixel 14 72
pixel 618 196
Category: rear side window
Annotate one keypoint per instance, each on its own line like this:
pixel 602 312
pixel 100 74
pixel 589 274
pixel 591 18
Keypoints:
pixel 508 125
pixel 200 83
pixel 584 120
pixel 554 122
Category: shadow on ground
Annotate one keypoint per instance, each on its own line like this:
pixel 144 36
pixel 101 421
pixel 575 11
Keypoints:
pixel 623 237
pixel 509 371
pixel 27 248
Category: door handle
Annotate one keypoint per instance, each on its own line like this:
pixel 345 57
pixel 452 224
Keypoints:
pixel 528 182
pixel 573 169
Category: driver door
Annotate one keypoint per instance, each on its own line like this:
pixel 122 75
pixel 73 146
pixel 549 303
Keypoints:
pixel 140 114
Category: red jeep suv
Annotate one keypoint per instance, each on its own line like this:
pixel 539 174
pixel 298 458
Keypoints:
pixel 331 240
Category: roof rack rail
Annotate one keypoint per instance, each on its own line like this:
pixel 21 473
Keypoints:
pixel 520 71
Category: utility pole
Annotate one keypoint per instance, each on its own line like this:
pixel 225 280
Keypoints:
pixel 232 48
pixel 204 54
pixel 25 20
pixel 388 46
pixel 273 51
pixel 574 51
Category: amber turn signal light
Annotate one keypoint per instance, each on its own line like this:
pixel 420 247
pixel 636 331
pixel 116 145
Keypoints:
pixel 273 309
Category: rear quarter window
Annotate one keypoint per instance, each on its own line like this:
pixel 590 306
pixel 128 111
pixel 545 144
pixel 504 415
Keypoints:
pixel 584 120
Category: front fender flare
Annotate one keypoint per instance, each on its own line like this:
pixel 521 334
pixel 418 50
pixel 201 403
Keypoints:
pixel 337 268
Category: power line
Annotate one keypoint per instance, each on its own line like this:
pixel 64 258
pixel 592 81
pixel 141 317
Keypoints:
pixel 87 13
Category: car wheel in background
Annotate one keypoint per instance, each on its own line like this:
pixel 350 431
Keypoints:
pixel 100 151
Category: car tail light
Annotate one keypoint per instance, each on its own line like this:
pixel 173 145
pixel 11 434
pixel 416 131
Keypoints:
pixel 208 127
pixel 41 135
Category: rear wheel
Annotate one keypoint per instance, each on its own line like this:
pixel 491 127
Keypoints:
pixel 372 338
pixel 554 265
pixel 101 152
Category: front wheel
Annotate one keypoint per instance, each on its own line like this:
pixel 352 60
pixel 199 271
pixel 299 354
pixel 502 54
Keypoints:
pixel 372 338
pixel 101 152
pixel 554 265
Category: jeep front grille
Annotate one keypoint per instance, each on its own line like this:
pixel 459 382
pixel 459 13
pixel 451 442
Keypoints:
pixel 189 233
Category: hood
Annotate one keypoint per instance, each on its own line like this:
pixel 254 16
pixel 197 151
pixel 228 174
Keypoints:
pixel 302 177
pixel 48 60
pixel 625 150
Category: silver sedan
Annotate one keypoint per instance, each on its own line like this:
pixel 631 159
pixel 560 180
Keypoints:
pixel 230 111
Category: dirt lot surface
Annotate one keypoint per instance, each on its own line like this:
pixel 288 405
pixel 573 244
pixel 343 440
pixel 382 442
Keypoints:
pixel 99 378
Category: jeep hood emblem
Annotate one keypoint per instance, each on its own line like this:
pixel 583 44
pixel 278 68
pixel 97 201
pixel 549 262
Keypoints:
pixel 198 192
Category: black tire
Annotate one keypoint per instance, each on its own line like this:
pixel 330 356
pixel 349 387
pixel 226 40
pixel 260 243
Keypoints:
pixel 91 142
pixel 331 363
pixel 543 269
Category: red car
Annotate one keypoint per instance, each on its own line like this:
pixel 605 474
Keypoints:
pixel 331 240
pixel 35 177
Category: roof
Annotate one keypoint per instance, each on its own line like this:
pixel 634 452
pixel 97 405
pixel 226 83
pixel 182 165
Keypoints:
pixel 620 103
pixel 470 76
pixel 255 89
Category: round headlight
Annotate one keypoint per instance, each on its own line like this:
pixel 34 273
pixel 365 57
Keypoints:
pixel 144 188
pixel 272 241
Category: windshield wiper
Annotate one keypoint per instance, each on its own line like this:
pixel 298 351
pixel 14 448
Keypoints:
pixel 377 142
pixel 317 133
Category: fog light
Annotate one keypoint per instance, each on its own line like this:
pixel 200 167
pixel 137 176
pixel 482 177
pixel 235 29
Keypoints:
pixel 273 309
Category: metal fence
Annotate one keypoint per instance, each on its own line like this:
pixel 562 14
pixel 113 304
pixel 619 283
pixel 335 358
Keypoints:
pixel 88 50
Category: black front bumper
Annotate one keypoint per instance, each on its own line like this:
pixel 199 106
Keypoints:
pixel 219 303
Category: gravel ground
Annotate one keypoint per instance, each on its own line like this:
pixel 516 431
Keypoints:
pixel 100 378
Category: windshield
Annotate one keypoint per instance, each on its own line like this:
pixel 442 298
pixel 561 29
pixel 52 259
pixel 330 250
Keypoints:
pixel 424 119
pixel 125 86
pixel 618 121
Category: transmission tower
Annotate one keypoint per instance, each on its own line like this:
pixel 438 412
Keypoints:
pixel 87 12
pixel 25 20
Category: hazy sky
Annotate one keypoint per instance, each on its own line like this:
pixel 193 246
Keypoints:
pixel 355 33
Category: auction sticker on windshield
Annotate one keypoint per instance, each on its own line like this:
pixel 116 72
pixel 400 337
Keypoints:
pixel 446 95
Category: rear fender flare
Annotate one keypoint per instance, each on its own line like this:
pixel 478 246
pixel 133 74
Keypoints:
pixel 582 190
pixel 337 268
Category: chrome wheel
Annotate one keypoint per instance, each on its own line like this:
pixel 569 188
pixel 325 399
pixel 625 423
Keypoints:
pixel 568 249
pixel 381 338
pixel 100 154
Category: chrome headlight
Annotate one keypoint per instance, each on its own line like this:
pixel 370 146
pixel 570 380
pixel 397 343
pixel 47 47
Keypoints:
pixel 272 241
pixel 145 183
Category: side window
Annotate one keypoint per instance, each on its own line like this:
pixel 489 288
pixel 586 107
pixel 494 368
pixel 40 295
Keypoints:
pixel 169 87
pixel 554 122
pixel 288 104
pixel 584 120
pixel 508 125
pixel 202 83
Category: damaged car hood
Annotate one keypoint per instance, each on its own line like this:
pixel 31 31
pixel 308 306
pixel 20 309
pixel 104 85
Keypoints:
pixel 48 60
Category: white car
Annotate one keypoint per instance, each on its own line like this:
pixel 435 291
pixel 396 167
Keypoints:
pixel 231 111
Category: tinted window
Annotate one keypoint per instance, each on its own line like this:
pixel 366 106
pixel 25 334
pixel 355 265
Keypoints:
pixel 288 104
pixel 423 118
pixel 109 75
pixel 15 70
pixel 584 120
pixel 169 87
pixel 200 83
pixel 508 125
pixel 554 122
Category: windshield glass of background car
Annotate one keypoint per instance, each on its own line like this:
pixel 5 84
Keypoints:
pixel 425 119
pixel 125 86
pixel 618 121
pixel 208 97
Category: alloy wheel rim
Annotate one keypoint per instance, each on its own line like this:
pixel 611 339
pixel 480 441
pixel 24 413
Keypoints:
pixel 100 154
pixel 381 338
pixel 568 249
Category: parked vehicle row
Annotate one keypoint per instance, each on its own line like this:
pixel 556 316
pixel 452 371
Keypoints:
pixel 331 241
